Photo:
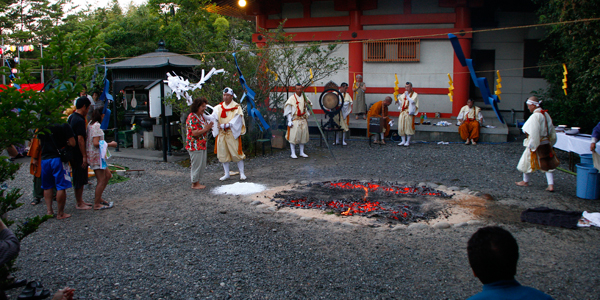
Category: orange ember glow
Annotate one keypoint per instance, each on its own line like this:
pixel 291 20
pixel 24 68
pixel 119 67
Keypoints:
pixel 364 207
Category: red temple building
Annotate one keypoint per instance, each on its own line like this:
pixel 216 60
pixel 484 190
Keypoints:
pixel 381 38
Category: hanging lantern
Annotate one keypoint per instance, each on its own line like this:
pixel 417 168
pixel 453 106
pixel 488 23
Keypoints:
pixel 14 71
pixel 31 48
pixel 1 50
pixel 26 48
pixel 13 48
pixel 16 59
pixel 20 48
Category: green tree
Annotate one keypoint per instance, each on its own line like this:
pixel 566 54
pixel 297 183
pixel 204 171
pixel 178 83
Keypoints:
pixel 8 14
pixel 282 63
pixel 578 46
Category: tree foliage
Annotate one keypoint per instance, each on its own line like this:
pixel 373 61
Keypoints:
pixel 282 63
pixel 578 46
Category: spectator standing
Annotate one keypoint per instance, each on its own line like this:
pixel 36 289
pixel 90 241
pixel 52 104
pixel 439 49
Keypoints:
pixel 197 128
pixel 96 149
pixel 35 169
pixel 83 93
pixel 55 173
pixel 79 162
pixel 96 103
pixel 493 254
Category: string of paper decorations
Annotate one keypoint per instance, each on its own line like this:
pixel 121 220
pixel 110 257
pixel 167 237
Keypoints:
pixel 14 48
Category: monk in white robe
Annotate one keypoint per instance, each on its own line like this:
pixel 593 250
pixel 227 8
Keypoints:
pixel 408 105
pixel 469 120
pixel 540 131
pixel 343 118
pixel 228 129
pixel 296 112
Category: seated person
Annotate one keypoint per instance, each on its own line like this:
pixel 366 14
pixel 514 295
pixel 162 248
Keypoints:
pixel 380 110
pixel 471 118
pixel 493 254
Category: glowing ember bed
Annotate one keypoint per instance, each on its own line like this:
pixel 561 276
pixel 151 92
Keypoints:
pixel 394 202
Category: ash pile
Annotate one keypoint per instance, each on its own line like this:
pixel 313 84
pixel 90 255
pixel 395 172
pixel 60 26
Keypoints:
pixel 388 202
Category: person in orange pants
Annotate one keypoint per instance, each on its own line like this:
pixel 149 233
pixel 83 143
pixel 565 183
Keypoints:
pixel 470 119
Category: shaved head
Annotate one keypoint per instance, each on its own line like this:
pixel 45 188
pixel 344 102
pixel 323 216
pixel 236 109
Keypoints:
pixel 387 101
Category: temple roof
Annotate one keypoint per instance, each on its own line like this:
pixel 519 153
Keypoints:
pixel 156 60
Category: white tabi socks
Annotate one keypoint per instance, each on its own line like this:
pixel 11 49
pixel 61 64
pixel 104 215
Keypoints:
pixel 293 148
pixel 337 138
pixel 550 178
pixel 407 140
pixel 381 137
pixel 226 168
pixel 302 151
pixel 241 167
pixel 526 177
pixel 403 140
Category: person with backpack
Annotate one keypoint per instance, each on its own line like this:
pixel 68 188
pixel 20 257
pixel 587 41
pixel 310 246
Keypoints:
pixel 55 165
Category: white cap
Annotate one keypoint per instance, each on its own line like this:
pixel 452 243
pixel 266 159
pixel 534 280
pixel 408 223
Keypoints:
pixel 229 91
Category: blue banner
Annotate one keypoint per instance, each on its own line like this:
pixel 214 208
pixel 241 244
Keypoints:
pixel 480 82
pixel 250 94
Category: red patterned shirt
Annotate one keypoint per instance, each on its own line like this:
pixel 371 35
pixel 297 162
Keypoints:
pixel 194 143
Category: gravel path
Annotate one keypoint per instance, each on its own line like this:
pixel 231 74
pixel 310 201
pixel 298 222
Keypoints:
pixel 165 241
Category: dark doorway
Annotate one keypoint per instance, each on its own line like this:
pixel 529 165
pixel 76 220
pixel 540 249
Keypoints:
pixel 484 62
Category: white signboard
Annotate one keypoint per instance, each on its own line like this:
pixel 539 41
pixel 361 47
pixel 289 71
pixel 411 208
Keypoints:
pixel 154 95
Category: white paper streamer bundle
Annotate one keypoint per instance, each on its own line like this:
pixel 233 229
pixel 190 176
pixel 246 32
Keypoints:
pixel 181 87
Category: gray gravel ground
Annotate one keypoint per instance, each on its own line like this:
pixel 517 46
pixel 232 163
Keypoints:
pixel 165 241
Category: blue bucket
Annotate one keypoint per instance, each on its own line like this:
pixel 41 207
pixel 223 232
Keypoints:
pixel 588 182
pixel 586 159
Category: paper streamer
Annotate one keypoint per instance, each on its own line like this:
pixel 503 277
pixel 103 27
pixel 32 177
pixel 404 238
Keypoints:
pixel 181 86
pixel 396 88
pixel 250 94
pixel 480 82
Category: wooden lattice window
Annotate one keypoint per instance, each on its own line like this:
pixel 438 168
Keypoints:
pixel 392 50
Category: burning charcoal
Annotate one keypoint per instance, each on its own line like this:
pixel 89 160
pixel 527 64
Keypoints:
pixel 370 199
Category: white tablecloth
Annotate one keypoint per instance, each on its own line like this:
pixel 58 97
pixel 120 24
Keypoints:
pixel 573 143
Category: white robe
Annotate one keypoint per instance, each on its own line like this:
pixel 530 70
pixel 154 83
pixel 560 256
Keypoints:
pixel 409 108
pixel 537 134
pixel 342 118
pixel 298 133
pixel 228 141
pixel 469 113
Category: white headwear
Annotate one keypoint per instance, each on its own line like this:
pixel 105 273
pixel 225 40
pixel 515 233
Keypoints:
pixel 229 91
pixel 531 102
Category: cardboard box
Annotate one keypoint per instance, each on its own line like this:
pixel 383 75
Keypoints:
pixel 278 139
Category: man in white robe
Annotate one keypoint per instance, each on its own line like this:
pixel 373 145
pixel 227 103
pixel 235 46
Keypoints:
pixel 296 113
pixel 228 129
pixel 540 131
pixel 343 118
pixel 409 108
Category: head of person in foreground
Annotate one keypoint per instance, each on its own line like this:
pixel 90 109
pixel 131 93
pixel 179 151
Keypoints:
pixel 493 254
